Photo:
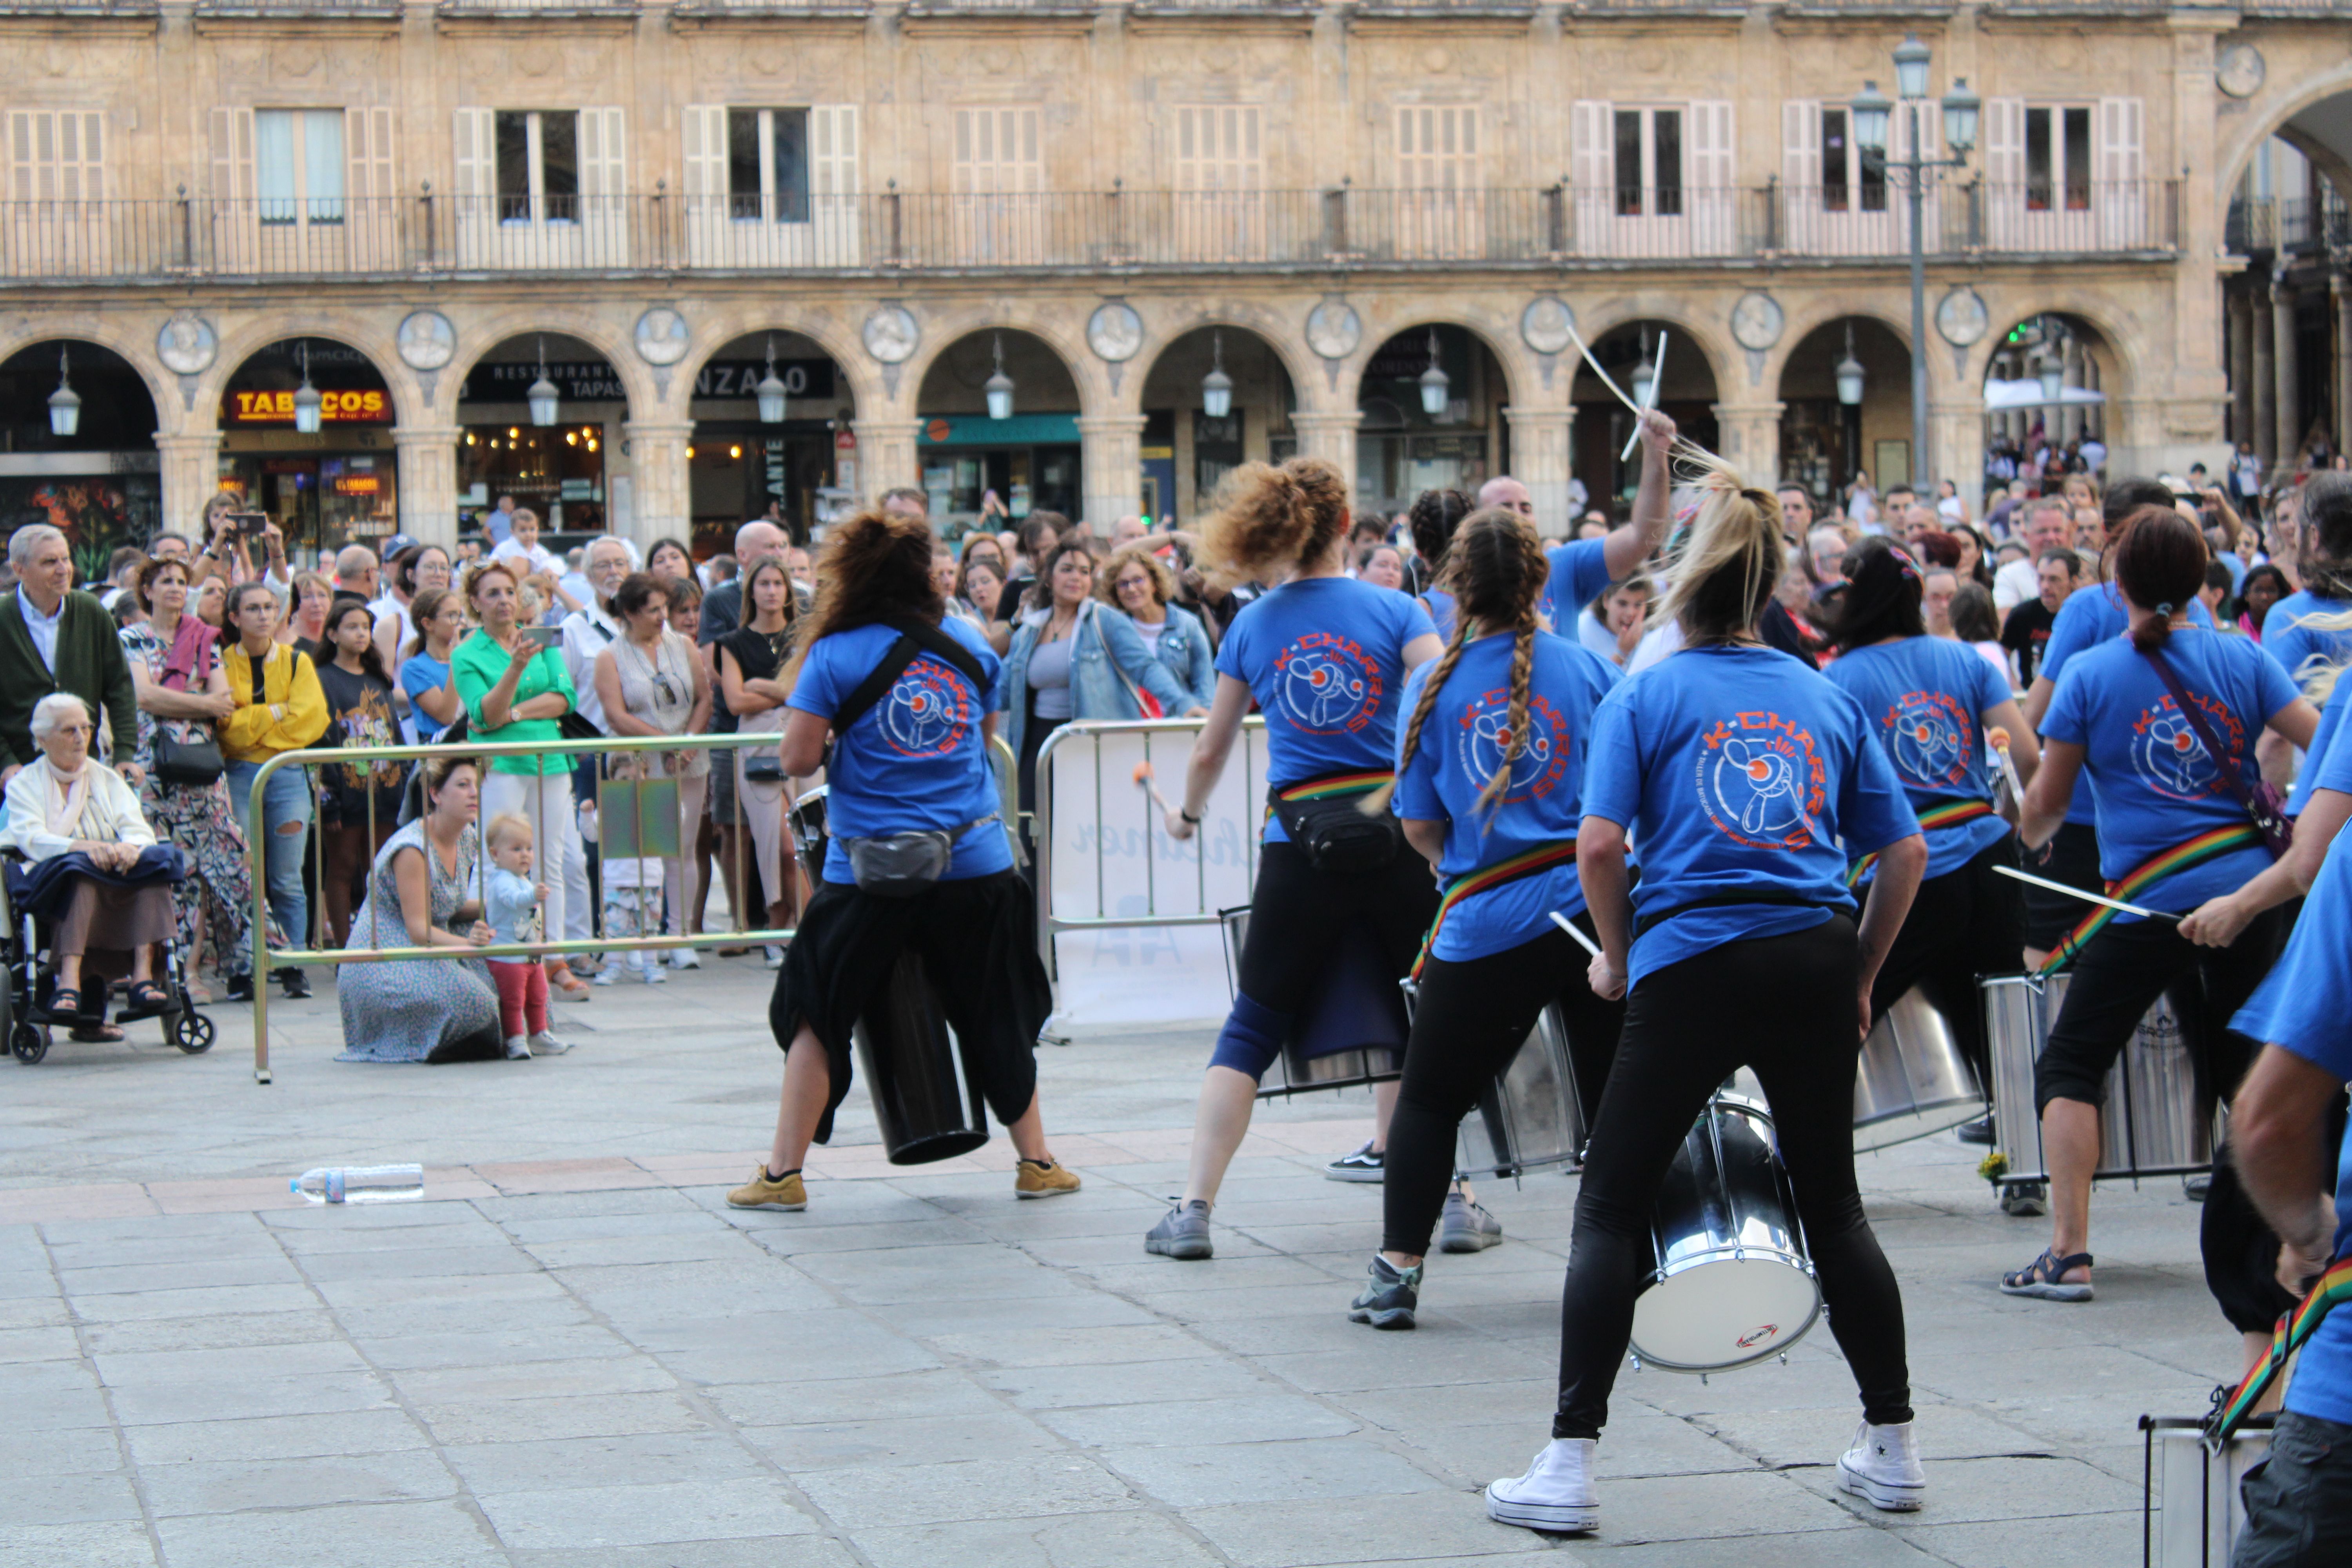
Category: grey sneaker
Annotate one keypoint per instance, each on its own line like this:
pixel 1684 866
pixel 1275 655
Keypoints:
pixel 1389 1297
pixel 1465 1227
pixel 1183 1231
pixel 1366 1165
pixel 2027 1200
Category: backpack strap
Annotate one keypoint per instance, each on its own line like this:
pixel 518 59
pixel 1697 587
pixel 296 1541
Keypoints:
pixel 916 638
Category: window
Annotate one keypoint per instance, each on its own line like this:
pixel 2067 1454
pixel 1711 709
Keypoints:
pixel 996 152
pixel 297 165
pixel 1854 177
pixel 56 155
pixel 1649 157
pixel 536 158
pixel 1217 147
pixel 768 164
pixel 2057 159
pixel 1437 148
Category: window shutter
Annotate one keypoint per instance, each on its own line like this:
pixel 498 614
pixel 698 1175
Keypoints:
pixel 2117 166
pixel 702 136
pixel 1800 145
pixel 603 155
pixel 2119 157
pixel 996 152
pixel 1217 147
pixel 1437 147
pixel 232 154
pixel 1708 160
pixel 367 151
pixel 1595 155
pixel 2005 140
pixel 474 151
pixel 833 149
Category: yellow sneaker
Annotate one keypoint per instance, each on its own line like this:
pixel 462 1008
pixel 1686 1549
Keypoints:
pixel 1041 1179
pixel 760 1192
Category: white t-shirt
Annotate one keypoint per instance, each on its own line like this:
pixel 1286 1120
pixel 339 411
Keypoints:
pixel 587 634
pixel 2015 584
pixel 540 558
pixel 1596 637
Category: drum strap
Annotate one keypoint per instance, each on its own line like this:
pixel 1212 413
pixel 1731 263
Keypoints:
pixel 1470 884
pixel 2295 1327
pixel 1645 924
pixel 2196 852
pixel 1331 786
pixel 1951 813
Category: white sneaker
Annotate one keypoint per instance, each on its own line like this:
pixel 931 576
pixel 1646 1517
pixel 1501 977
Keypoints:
pixel 518 1048
pixel 608 976
pixel 684 958
pixel 650 966
pixel 775 956
pixel 1555 1493
pixel 544 1044
pixel 1883 1466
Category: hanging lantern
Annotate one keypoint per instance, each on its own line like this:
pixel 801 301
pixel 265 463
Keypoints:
pixel 1961 109
pixel 1849 373
pixel 1911 58
pixel 1645 375
pixel 307 404
pixel 1217 387
pixel 544 399
pixel 999 388
pixel 65 403
pixel 770 391
pixel 1434 385
pixel 1872 111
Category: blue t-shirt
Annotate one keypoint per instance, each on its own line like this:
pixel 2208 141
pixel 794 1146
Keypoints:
pixel 1324 658
pixel 2322 767
pixel 2093 613
pixel 2287 640
pixel 1580 569
pixel 2154 786
pixel 917 760
pixel 1440 604
pixel 1928 696
pixel 1741 771
pixel 421 673
pixel 1462 745
pixel 509 901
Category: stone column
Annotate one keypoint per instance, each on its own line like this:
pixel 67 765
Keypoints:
pixel 1541 441
pixel 191 473
pixel 1111 463
pixel 2289 402
pixel 1330 433
pixel 2265 381
pixel 661 503
pixel 2241 325
pixel 2070 415
pixel 426 461
pixel 2339 289
pixel 1957 430
pixel 1750 438
pixel 885 455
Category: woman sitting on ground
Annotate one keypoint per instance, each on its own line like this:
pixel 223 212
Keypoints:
pixel 98 877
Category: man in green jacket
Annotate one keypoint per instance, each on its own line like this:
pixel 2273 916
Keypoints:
pixel 53 638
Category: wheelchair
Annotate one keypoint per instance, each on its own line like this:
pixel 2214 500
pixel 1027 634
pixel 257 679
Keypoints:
pixel 25 1017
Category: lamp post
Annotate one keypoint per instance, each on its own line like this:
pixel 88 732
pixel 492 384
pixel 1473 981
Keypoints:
pixel 1872 112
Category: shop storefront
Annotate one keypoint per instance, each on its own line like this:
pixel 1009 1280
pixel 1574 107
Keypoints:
pixel 324 490
pixel 1403 448
pixel 558 470
pixel 1030 461
pixel 741 465
pixel 98 481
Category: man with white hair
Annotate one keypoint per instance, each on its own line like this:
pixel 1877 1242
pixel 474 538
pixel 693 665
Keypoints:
pixel 2048 522
pixel 53 638
pixel 1126 529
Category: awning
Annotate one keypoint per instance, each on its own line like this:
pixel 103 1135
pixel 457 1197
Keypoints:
pixel 2028 394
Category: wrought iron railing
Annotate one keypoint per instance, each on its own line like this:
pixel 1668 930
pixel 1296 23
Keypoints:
pixel 2291 224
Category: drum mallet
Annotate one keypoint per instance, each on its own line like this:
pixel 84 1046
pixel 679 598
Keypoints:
pixel 2086 897
pixel 1150 786
pixel 1999 739
pixel 1575 935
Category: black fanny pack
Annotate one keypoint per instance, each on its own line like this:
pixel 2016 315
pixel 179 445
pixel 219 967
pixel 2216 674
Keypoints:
pixel 1325 818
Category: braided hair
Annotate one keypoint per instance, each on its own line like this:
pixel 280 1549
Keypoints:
pixel 1495 569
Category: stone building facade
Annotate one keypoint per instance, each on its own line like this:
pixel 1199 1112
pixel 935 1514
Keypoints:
pixel 418 203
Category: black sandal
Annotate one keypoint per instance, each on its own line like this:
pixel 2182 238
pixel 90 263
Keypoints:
pixel 2045 1279
pixel 58 1004
pixel 146 1000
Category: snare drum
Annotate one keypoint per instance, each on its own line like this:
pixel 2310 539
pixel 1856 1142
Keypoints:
pixel 1351 1031
pixel 2155 1122
pixel 1913 1079
pixel 1733 1283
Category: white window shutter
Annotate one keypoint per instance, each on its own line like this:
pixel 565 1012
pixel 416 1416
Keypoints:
pixel 473 146
pixel 2120 154
pixel 1709 154
pixel 833 149
pixel 2004 141
pixel 997 152
pixel 367 152
pixel 702 137
pixel 603 154
pixel 1593 162
pixel 1801 145
pixel 232 155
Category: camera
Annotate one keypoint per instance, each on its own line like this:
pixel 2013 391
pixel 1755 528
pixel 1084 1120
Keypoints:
pixel 247 524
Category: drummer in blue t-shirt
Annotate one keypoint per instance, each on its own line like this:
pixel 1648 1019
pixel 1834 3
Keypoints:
pixel 1746 779
pixel 1582 568
pixel 1489 787
pixel 2289 634
pixel 1325 658
pixel 2173 834
pixel 1933 700
pixel 909 758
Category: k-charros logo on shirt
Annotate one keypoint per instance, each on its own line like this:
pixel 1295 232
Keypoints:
pixel 927 713
pixel 1485 725
pixel 1762 784
pixel 1930 733
pixel 2168 756
pixel 1327 684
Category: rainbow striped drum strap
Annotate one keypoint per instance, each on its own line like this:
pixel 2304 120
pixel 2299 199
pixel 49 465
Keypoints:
pixel 1527 863
pixel 2295 1327
pixel 2196 852
pixel 1331 786
pixel 1951 813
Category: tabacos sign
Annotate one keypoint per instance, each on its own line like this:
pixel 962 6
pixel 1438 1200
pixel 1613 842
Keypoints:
pixel 335 407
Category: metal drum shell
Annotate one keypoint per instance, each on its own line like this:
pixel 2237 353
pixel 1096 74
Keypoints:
pixel 1532 1115
pixel 1307 1061
pixel 1734 1281
pixel 2192 1504
pixel 1912 1080
pixel 2157 1120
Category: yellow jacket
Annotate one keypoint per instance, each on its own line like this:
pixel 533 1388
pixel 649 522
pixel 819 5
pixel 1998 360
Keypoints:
pixel 291 715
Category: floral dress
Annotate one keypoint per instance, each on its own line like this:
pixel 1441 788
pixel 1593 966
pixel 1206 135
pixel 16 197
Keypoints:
pixel 416 1010
pixel 197 817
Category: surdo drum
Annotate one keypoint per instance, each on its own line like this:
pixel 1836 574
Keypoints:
pixel 1351 1031
pixel 1912 1080
pixel 1530 1117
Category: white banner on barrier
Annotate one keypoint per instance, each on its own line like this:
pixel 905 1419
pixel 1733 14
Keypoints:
pixel 1112 856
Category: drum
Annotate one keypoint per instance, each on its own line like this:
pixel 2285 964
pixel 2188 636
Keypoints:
pixel 1913 1079
pixel 1530 1117
pixel 1733 1283
pixel 2157 1120
pixel 1351 1031
pixel 2191 1507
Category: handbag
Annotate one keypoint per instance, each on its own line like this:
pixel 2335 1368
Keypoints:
pixel 2264 802
pixel 191 759
pixel 901 865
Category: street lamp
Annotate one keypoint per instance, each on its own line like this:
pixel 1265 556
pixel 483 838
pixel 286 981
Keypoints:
pixel 771 390
pixel 2050 370
pixel 65 403
pixel 1217 387
pixel 1872 115
pixel 1849 373
pixel 1000 386
pixel 1645 374
pixel 542 397
pixel 307 404
pixel 1434 383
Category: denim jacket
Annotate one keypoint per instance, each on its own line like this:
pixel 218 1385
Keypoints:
pixel 1104 647
pixel 1184 650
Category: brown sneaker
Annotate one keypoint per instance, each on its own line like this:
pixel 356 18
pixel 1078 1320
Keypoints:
pixel 1042 1179
pixel 785 1192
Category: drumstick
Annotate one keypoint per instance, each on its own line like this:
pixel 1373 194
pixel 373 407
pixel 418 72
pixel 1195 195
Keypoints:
pixel 1657 379
pixel 1999 739
pixel 1143 777
pixel 2088 898
pixel 1580 939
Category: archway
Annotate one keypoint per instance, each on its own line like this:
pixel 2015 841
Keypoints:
pixel 1188 445
pixel 998 416
pixel 327 487
pixel 2045 391
pixel 562 456
pixel 787 446
pixel 2287 352
pixel 1826 440
pixel 100 482
pixel 1686 395
pixel 1432 401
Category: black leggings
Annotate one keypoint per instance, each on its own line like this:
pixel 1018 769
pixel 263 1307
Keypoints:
pixel 1471 1020
pixel 1969 922
pixel 1784 1006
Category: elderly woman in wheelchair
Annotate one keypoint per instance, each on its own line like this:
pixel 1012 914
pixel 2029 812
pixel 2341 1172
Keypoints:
pixel 92 876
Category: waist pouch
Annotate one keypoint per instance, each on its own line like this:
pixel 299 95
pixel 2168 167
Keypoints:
pixel 1325 818
pixel 901 865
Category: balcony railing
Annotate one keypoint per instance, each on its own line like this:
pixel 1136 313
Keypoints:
pixel 2288 224
pixel 61 241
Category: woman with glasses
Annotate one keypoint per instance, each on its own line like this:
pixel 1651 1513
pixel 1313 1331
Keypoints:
pixel 652 682
pixel 1138 583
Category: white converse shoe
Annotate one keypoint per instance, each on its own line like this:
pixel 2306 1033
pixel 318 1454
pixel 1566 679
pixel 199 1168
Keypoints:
pixel 684 958
pixel 1883 1466
pixel 1555 1493
pixel 518 1048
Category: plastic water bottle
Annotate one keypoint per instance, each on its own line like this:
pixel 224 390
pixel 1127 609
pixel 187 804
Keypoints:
pixel 360 1184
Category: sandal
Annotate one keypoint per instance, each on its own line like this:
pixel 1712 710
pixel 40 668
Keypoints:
pixel 64 1002
pixel 2045 1279
pixel 96 1033
pixel 146 1000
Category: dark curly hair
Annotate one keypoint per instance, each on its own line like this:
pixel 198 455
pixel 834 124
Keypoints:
pixel 876 566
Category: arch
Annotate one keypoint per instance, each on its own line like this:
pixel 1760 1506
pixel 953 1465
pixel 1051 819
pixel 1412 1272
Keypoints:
pixel 634 373
pixel 107 332
pixel 1383 325
pixel 2230 158
pixel 2094 312
pixel 1185 452
pixel 715 332
pixel 1825 441
pixel 1818 308
pixel 944 331
pixel 1278 333
pixel 1673 310
pixel 250 337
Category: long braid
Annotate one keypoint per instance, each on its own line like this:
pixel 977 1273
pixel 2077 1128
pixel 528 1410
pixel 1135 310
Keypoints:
pixel 1523 664
pixel 1437 679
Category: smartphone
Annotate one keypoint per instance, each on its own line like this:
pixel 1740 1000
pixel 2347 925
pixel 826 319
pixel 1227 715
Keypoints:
pixel 247 524
pixel 545 636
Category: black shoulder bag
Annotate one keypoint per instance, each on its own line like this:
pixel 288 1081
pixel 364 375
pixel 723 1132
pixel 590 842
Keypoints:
pixel 2263 801
pixel 901 865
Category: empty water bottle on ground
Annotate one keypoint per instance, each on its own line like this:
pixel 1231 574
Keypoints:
pixel 361 1184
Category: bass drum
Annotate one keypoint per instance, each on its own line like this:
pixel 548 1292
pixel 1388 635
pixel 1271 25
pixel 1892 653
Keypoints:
pixel 2157 1120
pixel 1351 1032
pixel 1733 1283
pixel 1912 1080
pixel 1530 1118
